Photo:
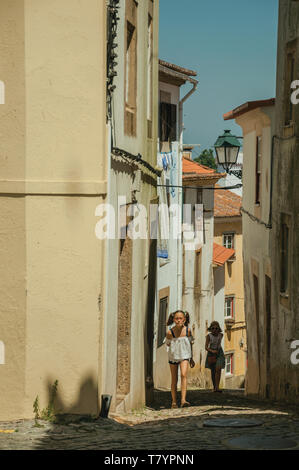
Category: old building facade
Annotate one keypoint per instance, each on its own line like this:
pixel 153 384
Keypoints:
pixel 77 306
pixel 257 119
pixel 132 183
pixel 284 249
pixel 197 273
pixel 270 222
pixel 169 253
pixel 228 234
pixel 53 175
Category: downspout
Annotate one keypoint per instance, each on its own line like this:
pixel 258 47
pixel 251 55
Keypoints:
pixel 180 191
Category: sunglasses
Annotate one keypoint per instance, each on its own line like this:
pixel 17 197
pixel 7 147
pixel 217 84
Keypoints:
pixel 215 328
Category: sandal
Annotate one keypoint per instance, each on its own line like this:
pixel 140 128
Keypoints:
pixel 185 404
pixel 174 405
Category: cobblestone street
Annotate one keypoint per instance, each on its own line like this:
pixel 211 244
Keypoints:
pixel 159 427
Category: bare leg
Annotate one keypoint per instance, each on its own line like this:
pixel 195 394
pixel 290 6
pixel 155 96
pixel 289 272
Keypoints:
pixel 174 381
pixel 184 372
pixel 217 377
pixel 213 371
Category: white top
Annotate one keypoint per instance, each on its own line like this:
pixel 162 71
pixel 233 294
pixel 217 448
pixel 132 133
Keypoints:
pixel 179 348
pixel 215 341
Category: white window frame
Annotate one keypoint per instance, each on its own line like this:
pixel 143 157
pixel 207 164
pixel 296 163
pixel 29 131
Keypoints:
pixel 226 234
pixel 231 364
pixel 232 306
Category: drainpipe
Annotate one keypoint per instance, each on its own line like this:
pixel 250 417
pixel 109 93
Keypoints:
pixel 180 190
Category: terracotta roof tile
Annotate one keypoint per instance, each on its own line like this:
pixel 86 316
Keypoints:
pixel 189 167
pixel 226 203
pixel 221 254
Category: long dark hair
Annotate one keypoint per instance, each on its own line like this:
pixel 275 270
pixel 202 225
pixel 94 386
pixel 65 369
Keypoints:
pixel 214 323
pixel 172 315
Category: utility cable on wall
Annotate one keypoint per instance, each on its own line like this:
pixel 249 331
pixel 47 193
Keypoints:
pixel 223 188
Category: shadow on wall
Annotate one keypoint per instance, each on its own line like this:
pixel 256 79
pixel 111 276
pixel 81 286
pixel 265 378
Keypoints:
pixel 85 403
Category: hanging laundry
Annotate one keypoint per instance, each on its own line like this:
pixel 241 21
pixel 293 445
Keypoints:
pixel 168 159
pixel 164 162
pixel 159 160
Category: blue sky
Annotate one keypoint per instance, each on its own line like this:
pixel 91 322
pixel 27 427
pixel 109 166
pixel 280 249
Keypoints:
pixel 232 45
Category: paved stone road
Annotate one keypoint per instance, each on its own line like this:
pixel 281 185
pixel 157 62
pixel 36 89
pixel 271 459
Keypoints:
pixel 157 428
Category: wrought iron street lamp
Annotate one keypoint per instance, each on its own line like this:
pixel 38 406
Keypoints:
pixel 227 149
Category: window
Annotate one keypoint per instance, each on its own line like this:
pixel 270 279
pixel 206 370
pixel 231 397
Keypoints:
pixel 229 307
pixel 258 170
pixel 289 77
pixel 131 67
pixel 284 253
pixel 150 72
pixel 162 320
pixel 168 122
pixel 229 364
pixel 228 240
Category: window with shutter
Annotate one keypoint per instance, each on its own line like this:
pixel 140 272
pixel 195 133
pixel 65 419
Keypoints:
pixel 150 53
pixel 131 68
pixel 258 170
pixel 168 122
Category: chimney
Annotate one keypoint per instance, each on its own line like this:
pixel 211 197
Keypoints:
pixel 187 151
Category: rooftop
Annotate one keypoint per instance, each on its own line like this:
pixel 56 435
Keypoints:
pixel 177 68
pixel 221 254
pixel 248 106
pixel 176 75
pixel 191 168
pixel 226 203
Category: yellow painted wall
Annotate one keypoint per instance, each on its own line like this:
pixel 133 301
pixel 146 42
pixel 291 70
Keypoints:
pixel 234 286
pixel 53 150
pixel 12 210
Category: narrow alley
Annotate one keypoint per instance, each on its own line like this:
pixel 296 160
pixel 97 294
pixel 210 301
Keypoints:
pixel 245 424
pixel 149 220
